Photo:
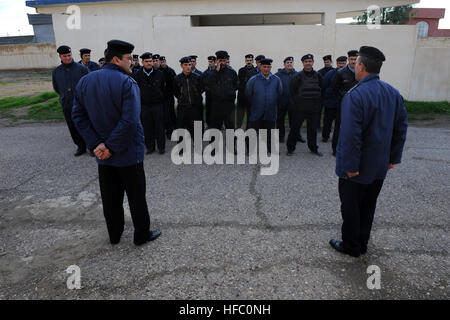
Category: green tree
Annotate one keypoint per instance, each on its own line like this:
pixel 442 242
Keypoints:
pixel 393 15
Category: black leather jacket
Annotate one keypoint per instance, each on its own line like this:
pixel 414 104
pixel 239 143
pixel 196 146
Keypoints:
pixel 222 85
pixel 188 89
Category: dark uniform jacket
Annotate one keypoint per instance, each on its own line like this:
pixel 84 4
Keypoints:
pixel 344 81
pixel 152 87
pixel 188 89
pixel 65 78
pixel 244 74
pixel 373 130
pixel 107 108
pixel 329 100
pixel 169 75
pixel 306 90
pixel 222 85
pixel 92 66
pixel 286 77
pixel 325 70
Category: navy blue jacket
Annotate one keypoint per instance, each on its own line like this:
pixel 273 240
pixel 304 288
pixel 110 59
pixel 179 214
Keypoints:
pixel 329 100
pixel 92 66
pixel 285 77
pixel 107 108
pixel 65 78
pixel 264 95
pixel 373 130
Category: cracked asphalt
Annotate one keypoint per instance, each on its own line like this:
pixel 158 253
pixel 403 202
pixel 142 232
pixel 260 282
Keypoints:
pixel 227 231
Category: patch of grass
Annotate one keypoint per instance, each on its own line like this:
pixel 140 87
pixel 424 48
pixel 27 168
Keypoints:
pixel 47 111
pixel 2 83
pixel 439 107
pixel 12 103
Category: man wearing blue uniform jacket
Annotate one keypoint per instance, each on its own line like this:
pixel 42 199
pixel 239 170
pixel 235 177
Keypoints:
pixel 211 68
pixel 343 81
pixel 264 91
pixel 107 111
pixel 64 79
pixel 373 133
pixel 85 55
pixel 286 102
pixel 152 86
pixel 330 101
pixel 194 66
pixel 170 118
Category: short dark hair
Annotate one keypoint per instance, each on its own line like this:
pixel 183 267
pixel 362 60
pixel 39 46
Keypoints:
pixel 110 54
pixel 372 65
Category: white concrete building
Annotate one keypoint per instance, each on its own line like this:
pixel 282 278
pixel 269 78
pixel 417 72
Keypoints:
pixel 277 29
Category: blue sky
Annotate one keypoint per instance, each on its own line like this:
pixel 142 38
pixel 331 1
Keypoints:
pixel 14 21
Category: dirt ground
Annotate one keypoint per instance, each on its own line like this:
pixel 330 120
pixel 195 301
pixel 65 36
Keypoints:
pixel 21 83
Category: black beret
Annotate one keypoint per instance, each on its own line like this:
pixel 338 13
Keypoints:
pixel 162 58
pixel 260 57
pixel 63 50
pixel 135 56
pixel 84 51
pixel 212 58
pixel 101 59
pixel 185 60
pixel 222 54
pixel 266 62
pixel 146 55
pixel 194 57
pixel 352 53
pixel 288 59
pixel 342 58
pixel 372 53
pixel 249 56
pixel 327 57
pixel 307 56
pixel 156 57
pixel 120 47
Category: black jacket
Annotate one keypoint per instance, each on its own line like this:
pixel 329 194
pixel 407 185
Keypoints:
pixel 188 89
pixel 222 85
pixel 152 87
pixel 343 82
pixel 324 71
pixel 65 78
pixel 169 75
pixel 244 74
pixel 307 90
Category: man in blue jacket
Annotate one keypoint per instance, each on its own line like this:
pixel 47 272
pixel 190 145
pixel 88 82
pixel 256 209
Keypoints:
pixel 85 55
pixel 264 91
pixel 107 111
pixel 64 79
pixel 330 101
pixel 371 140
pixel 286 102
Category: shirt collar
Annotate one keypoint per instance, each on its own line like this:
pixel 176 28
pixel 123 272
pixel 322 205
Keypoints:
pixel 112 66
pixel 147 73
pixel 371 76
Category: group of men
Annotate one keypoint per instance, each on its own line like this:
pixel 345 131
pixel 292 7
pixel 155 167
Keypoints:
pixel 112 113
pixel 265 101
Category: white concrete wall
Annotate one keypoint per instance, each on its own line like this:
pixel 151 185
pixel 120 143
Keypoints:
pixel 28 56
pixel 430 80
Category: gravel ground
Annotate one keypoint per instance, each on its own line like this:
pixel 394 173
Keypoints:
pixel 228 232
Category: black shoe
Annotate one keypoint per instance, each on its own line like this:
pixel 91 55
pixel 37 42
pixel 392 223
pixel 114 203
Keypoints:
pixel 300 139
pixel 281 139
pixel 325 140
pixel 334 153
pixel 152 236
pixel 150 151
pixel 364 250
pixel 290 153
pixel 162 151
pixel 79 152
pixel 339 246
pixel 318 153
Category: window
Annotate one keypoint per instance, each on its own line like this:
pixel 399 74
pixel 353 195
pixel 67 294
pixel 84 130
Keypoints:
pixel 257 19
pixel 423 29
